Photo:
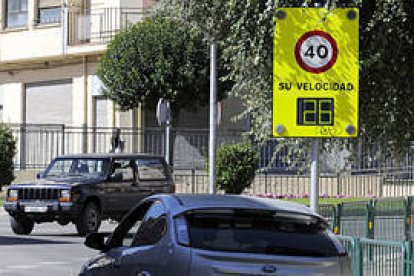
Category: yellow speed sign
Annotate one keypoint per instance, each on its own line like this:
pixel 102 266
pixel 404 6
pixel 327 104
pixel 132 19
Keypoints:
pixel 316 73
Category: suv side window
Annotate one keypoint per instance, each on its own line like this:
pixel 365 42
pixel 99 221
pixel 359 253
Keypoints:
pixel 123 169
pixel 153 227
pixel 150 168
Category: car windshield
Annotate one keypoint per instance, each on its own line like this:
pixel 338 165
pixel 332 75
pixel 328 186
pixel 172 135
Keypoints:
pixel 263 232
pixel 77 167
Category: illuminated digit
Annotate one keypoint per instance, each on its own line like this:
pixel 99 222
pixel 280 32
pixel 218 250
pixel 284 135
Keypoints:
pixel 325 112
pixel 309 113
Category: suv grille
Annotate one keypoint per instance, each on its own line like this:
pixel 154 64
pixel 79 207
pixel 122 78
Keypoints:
pixel 38 193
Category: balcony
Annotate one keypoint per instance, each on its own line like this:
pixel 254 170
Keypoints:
pixel 56 35
pixel 99 26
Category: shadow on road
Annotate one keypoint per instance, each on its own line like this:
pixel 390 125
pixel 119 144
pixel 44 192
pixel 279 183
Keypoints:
pixel 74 235
pixel 25 241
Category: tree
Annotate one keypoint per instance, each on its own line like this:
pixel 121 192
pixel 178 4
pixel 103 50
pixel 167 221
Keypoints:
pixel 7 153
pixel 157 58
pixel 245 31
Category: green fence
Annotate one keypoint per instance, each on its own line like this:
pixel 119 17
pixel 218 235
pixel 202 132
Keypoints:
pixel 382 258
pixel 328 211
pixel 389 219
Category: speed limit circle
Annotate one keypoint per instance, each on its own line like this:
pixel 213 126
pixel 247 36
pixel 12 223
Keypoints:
pixel 316 51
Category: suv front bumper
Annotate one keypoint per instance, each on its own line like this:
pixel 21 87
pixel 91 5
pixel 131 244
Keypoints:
pixel 42 210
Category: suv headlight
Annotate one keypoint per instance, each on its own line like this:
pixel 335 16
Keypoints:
pixel 64 196
pixel 12 195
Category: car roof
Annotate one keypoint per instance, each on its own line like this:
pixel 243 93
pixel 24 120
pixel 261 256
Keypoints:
pixel 180 203
pixel 109 155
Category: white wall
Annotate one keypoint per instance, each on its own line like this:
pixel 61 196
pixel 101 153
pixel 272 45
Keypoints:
pixel 1 104
pixel 13 88
pixel 1 95
pixel 12 109
pixel 30 44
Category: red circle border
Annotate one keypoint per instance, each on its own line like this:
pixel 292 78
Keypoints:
pixel 334 51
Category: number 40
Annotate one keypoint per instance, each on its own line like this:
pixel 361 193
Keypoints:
pixel 321 51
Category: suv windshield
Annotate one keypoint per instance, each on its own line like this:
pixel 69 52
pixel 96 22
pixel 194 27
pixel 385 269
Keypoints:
pixel 257 231
pixel 77 167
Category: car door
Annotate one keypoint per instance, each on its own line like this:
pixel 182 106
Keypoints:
pixel 119 185
pixel 149 251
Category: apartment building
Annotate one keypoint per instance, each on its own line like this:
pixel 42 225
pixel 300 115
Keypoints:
pixel 48 59
pixel 49 91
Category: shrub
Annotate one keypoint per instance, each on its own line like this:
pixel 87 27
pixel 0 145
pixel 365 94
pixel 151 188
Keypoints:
pixel 7 152
pixel 235 167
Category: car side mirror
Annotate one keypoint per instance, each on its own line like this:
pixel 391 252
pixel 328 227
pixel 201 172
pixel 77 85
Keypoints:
pixel 116 177
pixel 39 175
pixel 96 241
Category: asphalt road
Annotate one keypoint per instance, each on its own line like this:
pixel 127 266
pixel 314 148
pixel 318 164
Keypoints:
pixel 51 249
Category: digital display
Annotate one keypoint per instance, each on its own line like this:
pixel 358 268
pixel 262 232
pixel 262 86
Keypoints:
pixel 315 112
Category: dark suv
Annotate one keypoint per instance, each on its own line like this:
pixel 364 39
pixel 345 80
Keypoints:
pixel 86 189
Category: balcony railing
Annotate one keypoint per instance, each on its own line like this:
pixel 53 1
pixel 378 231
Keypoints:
pixel 97 26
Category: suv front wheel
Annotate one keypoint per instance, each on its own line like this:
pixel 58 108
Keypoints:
pixel 21 226
pixel 89 220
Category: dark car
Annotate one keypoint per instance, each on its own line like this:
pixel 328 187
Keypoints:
pixel 86 189
pixel 218 235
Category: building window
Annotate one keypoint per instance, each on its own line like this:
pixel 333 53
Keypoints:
pixel 49 11
pixel 16 13
pixel 50 15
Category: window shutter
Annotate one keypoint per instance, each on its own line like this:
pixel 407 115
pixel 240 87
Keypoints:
pixel 49 3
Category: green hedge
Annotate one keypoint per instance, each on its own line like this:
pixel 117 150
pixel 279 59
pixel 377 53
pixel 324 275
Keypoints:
pixel 236 167
pixel 7 153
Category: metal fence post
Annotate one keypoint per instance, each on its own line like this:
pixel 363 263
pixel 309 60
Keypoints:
pixel 370 219
pixel 22 149
pixel 411 259
pixel 408 259
pixel 407 218
pixel 63 140
pixel 357 257
pixel 337 219
pixel 84 138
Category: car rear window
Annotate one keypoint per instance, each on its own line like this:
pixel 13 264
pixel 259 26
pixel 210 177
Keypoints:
pixel 150 169
pixel 263 232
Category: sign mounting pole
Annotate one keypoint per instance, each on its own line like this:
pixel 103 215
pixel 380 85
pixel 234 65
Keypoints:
pixel 164 119
pixel 314 194
pixel 213 120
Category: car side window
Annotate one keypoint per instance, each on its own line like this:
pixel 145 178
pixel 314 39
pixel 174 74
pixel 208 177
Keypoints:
pixel 150 169
pixel 123 170
pixel 124 233
pixel 153 226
